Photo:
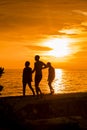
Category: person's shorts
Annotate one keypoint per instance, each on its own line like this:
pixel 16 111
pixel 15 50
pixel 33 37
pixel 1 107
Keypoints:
pixel 38 78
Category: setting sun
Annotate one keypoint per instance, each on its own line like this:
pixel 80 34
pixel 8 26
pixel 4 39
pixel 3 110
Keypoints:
pixel 60 46
pixel 56 30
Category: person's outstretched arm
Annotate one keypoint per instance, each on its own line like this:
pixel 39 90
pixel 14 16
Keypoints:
pixel 44 66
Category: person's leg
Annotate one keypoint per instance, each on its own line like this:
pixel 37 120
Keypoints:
pixel 50 86
pixel 36 87
pixel 39 79
pixel 39 90
pixel 30 86
pixel 37 82
pixel 24 88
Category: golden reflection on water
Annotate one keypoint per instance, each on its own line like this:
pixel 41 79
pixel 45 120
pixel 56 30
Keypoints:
pixel 57 84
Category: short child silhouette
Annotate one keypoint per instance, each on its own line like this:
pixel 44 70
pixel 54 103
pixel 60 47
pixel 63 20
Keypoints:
pixel 27 77
pixel 51 76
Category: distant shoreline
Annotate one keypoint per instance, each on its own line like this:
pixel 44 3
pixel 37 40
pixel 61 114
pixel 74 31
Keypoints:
pixel 61 95
pixel 72 94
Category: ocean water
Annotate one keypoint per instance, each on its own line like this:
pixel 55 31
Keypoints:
pixel 66 81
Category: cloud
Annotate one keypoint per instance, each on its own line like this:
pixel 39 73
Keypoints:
pixel 84 24
pixel 80 12
pixel 39 48
pixel 72 31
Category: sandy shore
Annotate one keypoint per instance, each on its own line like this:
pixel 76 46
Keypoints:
pixel 59 111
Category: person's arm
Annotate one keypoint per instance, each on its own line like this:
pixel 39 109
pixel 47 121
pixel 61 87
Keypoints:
pixel 23 76
pixel 31 75
pixel 34 68
pixel 44 65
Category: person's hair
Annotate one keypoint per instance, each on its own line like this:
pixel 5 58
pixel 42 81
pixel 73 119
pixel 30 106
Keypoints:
pixel 48 64
pixel 27 63
pixel 37 57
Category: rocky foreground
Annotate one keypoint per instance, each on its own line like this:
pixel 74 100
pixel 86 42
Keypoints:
pixel 59 111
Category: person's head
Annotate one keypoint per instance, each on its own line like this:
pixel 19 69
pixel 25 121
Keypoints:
pixel 27 63
pixel 37 57
pixel 48 64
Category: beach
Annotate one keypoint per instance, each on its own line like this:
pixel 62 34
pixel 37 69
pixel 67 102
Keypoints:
pixel 59 111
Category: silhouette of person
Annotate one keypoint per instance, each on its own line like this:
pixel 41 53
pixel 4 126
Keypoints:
pixel 27 77
pixel 51 76
pixel 38 66
pixel 1 71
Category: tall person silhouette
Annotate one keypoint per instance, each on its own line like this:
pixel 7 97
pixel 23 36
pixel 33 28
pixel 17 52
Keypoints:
pixel 27 77
pixel 38 66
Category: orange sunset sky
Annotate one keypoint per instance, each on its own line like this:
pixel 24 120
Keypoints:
pixel 54 29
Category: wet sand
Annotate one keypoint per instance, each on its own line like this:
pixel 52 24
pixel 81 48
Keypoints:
pixel 58 111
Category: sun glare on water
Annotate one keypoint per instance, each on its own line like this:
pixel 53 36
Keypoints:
pixel 60 47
